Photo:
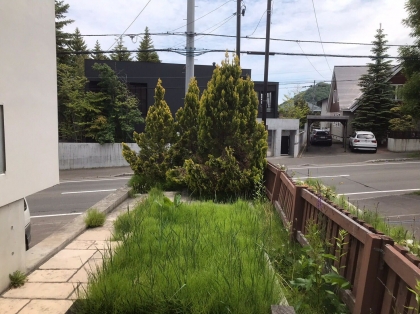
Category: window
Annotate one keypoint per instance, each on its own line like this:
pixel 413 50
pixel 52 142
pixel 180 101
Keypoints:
pixel 398 91
pixel 269 100
pixel 2 150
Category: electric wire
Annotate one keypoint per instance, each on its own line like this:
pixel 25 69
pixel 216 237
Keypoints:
pixel 310 61
pixel 319 33
pixel 257 24
pixel 202 16
pixel 130 25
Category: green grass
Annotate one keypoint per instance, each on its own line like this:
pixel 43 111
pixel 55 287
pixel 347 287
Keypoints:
pixel 94 218
pixel 415 193
pixel 189 258
pixel 17 279
pixel 414 155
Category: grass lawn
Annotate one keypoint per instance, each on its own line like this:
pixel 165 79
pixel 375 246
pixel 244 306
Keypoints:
pixel 189 258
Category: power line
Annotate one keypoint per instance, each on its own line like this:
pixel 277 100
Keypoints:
pixel 257 24
pixel 130 24
pixel 310 62
pixel 319 33
pixel 203 16
pixel 246 37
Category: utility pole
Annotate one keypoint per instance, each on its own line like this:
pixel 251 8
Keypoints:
pixel 238 28
pixel 267 51
pixel 189 62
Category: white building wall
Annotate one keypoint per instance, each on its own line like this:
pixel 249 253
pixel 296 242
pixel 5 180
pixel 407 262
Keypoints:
pixel 284 127
pixel 28 93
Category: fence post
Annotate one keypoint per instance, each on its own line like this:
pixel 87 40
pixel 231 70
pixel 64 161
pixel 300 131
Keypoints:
pixel 297 212
pixel 276 186
pixel 367 281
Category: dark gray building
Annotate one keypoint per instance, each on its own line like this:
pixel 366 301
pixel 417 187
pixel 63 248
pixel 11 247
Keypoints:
pixel 141 78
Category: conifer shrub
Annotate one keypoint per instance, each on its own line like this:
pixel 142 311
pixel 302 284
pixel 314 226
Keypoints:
pixel 232 145
pixel 151 163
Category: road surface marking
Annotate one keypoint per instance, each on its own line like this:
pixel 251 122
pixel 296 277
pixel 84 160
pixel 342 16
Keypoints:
pixel 95 191
pixel 338 176
pixel 114 179
pixel 356 165
pixel 57 215
pixel 374 192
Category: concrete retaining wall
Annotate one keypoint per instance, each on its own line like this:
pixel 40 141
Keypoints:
pixel 403 145
pixel 92 155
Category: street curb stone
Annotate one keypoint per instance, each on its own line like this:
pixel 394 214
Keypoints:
pixel 51 245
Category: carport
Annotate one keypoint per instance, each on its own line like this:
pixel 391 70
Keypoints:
pixel 341 119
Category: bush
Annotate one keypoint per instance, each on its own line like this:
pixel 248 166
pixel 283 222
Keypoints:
pixel 94 218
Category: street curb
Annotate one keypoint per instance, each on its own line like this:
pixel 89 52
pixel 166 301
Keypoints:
pixel 55 242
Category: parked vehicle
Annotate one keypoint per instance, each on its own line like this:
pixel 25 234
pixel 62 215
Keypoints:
pixel 363 140
pixel 27 216
pixel 321 136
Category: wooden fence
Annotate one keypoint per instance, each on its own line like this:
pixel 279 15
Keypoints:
pixel 379 271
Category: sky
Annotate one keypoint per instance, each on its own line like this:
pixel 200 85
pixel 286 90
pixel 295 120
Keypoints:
pixel 351 21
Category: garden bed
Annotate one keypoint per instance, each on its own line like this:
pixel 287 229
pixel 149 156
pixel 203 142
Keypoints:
pixel 188 258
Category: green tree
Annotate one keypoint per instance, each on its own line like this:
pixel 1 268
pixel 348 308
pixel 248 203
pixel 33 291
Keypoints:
pixel 78 45
pixel 316 93
pixel 295 108
pixel 119 109
pixel 121 53
pixel 151 163
pixel 410 56
pixel 62 38
pixel 186 126
pixel 97 53
pixel 376 102
pixel 147 44
pixel 401 122
pixel 232 144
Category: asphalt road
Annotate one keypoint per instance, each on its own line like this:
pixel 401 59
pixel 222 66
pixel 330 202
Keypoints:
pixel 58 205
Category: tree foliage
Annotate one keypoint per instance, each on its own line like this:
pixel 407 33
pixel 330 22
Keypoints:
pixel 76 45
pixel 151 163
pixel 186 126
pixel 121 53
pixel 63 39
pixel 316 93
pixel 376 102
pixel 147 44
pixel 232 145
pixel 295 108
pixel 97 53
pixel 410 56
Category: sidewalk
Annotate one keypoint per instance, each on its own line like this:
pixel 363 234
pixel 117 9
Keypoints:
pixel 52 287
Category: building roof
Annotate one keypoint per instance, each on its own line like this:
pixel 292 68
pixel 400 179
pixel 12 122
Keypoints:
pixel 355 103
pixel 347 78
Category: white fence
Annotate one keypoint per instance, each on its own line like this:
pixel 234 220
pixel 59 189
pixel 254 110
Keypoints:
pixel 92 155
pixel 403 145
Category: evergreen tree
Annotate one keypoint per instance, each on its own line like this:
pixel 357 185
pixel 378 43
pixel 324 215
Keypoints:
pixel 186 126
pixel 147 44
pixel 150 164
pixel 232 144
pixel 77 45
pixel 97 54
pixel 119 109
pixel 376 102
pixel 121 53
pixel 62 39
pixel 410 56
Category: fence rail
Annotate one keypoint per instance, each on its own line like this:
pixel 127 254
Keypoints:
pixel 380 272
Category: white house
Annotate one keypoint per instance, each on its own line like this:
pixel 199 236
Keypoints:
pixel 28 119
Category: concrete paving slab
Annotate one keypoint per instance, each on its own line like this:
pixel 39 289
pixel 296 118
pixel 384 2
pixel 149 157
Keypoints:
pixel 12 306
pixel 47 307
pixel 80 276
pixel 79 292
pixel 37 290
pixel 105 245
pixel 79 245
pixel 68 259
pixel 51 275
pixel 95 234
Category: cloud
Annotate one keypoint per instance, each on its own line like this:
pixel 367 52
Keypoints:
pixel 344 21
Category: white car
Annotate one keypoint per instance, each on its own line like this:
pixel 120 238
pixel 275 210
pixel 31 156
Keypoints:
pixel 363 140
pixel 27 216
